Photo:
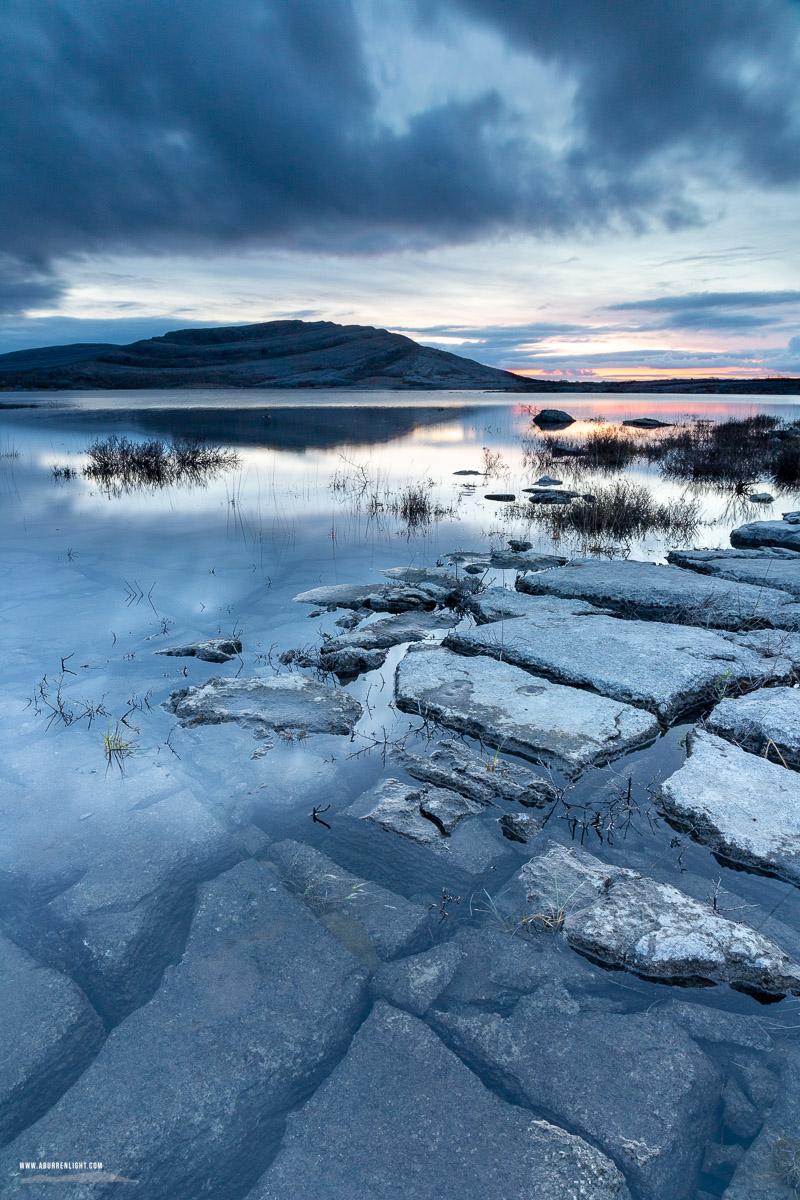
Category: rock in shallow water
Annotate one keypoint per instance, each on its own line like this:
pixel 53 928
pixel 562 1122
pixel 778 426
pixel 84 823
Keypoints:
pixel 187 1096
pixel 745 808
pixel 453 765
pixel 767 533
pixel 625 919
pixel 401 1118
pixel 635 1085
pixel 48 1035
pixel 651 592
pixel 765 722
pixel 279 702
pixel 518 712
pixel 667 669
pixel 218 650
pixel 414 983
pixel 770 1170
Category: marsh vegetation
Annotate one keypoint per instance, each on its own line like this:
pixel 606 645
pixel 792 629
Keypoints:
pixel 122 462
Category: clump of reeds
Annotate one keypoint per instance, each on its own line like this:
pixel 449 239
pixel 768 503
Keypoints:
pixel 619 512
pixel 738 451
pixel 121 461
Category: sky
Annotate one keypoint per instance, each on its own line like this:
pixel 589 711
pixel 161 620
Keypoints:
pixel 605 188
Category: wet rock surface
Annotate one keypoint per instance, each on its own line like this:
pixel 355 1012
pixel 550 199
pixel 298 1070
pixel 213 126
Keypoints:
pixel 785 533
pixel 765 722
pixel 434 818
pixel 48 1035
pixel 498 604
pixel 451 764
pixel 768 566
pixel 553 418
pixel 125 914
pixel 276 702
pixel 379 596
pixel 741 806
pixel 667 669
pixel 647 591
pixel 519 827
pixel 402 1117
pixel 187 1096
pixel 393 924
pixel 527 715
pixel 414 983
pixel 624 919
pixel 769 1169
pixel 645 1093
pixel 217 650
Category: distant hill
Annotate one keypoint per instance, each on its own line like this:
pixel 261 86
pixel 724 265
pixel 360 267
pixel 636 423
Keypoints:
pixel 305 354
pixel 274 354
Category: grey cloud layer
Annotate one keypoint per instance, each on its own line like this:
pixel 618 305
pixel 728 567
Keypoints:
pixel 200 124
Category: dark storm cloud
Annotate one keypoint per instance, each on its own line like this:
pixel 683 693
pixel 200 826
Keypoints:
pixel 712 77
pixel 203 124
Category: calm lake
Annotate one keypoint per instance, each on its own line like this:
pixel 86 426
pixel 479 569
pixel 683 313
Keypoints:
pixel 96 579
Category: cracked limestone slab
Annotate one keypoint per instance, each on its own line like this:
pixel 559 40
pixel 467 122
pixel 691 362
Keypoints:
pixel 498 604
pixel 765 722
pixel 633 1084
pixel 768 566
pixel 520 713
pixel 451 764
pixel 625 919
pixel 667 669
pixel 743 807
pixel 279 702
pixel 648 591
pixel 389 631
pixel 402 1118
pixel 378 596
pixel 188 1095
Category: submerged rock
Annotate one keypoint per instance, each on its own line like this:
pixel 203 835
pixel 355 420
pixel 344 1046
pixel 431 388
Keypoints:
pixel 393 924
pixel 767 533
pixel 414 983
pixel 453 765
pixel 188 1095
pixel 218 650
pixel 769 566
pixel 667 669
pixel 651 592
pixel 625 919
pixel 765 722
pixel 770 1169
pixel 745 808
pixel 279 702
pixel 402 1118
pixel 523 714
pixel 519 827
pixel 715 1025
pixel 49 1034
pixel 647 423
pixel 553 418
pixel 634 1084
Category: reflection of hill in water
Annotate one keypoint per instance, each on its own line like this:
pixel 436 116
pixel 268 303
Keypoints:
pixel 289 428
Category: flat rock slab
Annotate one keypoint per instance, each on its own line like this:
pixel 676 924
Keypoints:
pixel 188 1094
pixel 414 983
pixel 218 650
pixel 745 808
pixel 633 1084
pixel 715 1025
pixel 276 702
pixel 389 631
pixel 765 722
pixel 767 533
pixel 487 780
pixel 768 1170
pixel 769 566
pixel 524 560
pixel 49 1034
pixel 432 817
pixel 127 912
pixel 667 669
pixel 393 924
pixel 627 920
pixel 440 583
pixel 402 1118
pixel 647 423
pixel 499 604
pixel 506 707
pixel 651 592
